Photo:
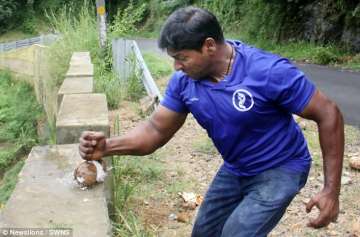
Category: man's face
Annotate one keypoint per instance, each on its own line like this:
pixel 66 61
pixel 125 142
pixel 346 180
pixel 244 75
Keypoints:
pixel 192 62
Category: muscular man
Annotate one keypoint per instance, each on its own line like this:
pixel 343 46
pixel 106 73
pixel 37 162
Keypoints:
pixel 245 98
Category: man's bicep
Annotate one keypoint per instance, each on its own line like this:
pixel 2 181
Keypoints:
pixel 317 108
pixel 166 121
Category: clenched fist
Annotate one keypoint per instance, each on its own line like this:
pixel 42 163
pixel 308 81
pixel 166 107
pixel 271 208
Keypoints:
pixel 92 145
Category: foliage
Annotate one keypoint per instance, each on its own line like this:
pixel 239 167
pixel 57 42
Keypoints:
pixel 353 62
pixel 79 33
pixel 324 55
pixel 29 21
pixel 77 27
pixel 19 112
pixel 126 20
pixel 226 11
pixel 7 157
pixel 8 9
pixel 9 181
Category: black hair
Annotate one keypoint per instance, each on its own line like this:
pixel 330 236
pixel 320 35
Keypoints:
pixel 187 28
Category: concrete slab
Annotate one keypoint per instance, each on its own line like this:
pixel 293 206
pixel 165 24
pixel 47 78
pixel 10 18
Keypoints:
pixel 80 70
pixel 46 196
pixel 80 58
pixel 75 85
pixel 80 112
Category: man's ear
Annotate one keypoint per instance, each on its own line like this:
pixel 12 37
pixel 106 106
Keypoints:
pixel 209 46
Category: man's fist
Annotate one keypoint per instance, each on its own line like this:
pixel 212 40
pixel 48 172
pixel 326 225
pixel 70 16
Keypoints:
pixel 92 145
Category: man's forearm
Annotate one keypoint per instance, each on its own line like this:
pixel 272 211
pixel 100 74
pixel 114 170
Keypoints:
pixel 141 140
pixel 331 133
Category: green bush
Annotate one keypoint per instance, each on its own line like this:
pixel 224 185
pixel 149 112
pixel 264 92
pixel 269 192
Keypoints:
pixel 324 55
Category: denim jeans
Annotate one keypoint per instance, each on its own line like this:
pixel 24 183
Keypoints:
pixel 246 206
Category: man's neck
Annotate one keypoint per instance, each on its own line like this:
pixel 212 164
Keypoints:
pixel 222 63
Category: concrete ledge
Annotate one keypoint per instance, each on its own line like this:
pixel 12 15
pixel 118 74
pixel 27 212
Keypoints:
pixel 75 85
pixel 80 70
pixel 80 58
pixel 47 197
pixel 80 112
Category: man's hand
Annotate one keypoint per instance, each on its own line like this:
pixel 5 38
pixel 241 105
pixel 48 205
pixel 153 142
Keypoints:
pixel 92 145
pixel 328 204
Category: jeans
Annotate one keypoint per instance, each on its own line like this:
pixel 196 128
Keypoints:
pixel 246 206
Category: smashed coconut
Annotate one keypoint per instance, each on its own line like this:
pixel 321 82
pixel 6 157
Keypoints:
pixel 88 173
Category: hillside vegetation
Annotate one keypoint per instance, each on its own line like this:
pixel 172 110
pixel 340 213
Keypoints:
pixel 323 32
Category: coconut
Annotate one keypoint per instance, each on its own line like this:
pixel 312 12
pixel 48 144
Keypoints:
pixel 88 173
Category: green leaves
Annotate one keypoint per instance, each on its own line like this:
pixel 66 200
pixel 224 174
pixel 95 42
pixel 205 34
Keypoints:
pixel 126 20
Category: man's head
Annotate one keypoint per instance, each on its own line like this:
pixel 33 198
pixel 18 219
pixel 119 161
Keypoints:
pixel 191 35
pixel 187 28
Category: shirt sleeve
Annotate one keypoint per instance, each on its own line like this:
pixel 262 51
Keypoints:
pixel 172 98
pixel 289 87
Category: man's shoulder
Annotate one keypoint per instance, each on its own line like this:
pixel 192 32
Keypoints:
pixel 179 78
pixel 252 53
pixel 179 81
pixel 258 62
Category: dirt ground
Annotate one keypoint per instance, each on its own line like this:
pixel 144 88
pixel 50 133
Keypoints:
pixel 189 162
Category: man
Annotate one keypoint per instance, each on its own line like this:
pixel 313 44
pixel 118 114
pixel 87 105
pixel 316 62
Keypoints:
pixel 244 98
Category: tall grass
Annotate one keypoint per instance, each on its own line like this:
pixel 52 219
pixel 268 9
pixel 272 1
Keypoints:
pixel 77 27
pixel 19 113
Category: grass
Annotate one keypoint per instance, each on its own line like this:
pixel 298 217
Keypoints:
pixel 205 145
pixel 8 156
pixel 133 178
pixel 78 28
pixel 7 184
pixel 157 65
pixel 79 33
pixel 19 112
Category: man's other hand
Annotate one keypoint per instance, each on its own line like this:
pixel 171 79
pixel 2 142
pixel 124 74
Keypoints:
pixel 328 205
pixel 92 145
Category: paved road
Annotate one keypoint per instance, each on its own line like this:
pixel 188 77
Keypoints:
pixel 341 86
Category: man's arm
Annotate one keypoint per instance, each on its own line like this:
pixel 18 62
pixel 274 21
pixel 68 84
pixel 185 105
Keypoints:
pixel 331 134
pixel 144 139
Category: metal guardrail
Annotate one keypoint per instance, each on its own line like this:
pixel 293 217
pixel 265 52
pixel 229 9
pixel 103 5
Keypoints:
pixel 122 50
pixel 42 39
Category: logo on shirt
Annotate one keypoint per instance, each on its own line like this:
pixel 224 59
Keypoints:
pixel 242 100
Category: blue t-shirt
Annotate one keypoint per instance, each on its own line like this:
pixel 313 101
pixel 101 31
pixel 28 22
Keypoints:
pixel 248 115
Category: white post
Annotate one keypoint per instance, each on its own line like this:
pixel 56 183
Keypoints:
pixel 101 13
